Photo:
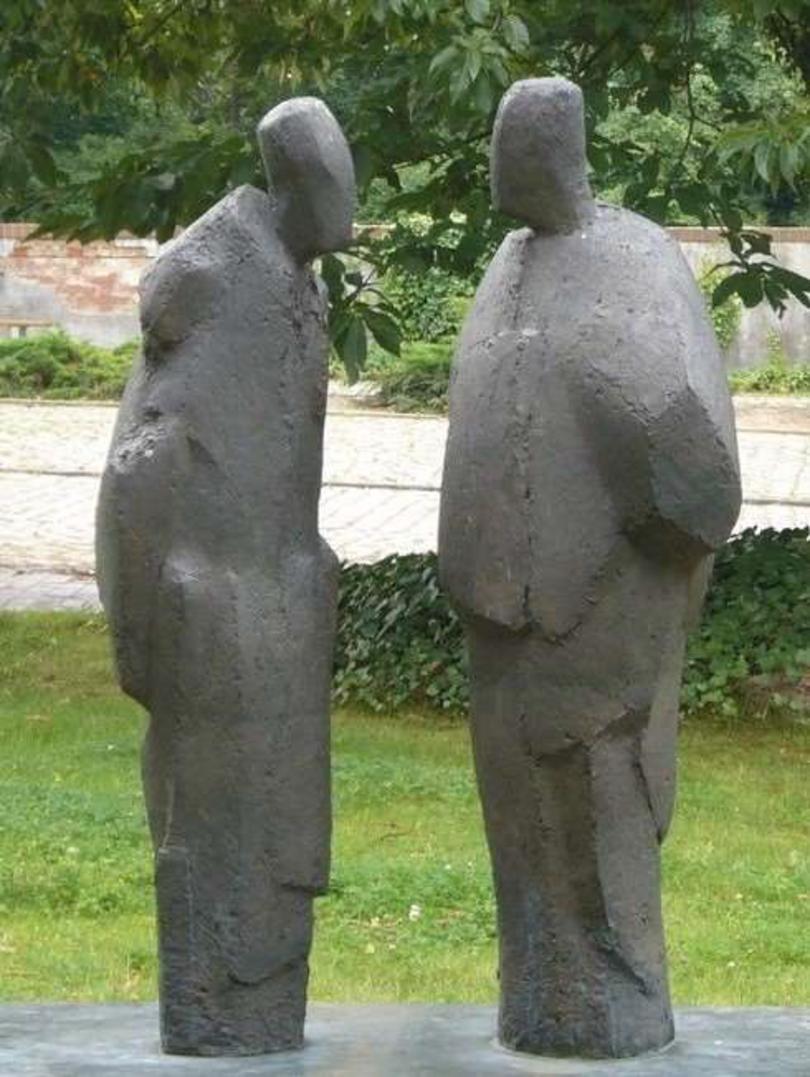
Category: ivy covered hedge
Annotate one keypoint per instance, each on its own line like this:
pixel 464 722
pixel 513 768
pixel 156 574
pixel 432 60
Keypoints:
pixel 400 644
pixel 399 641
pixel 752 649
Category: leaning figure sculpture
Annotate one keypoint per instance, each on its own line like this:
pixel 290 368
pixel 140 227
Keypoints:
pixel 591 471
pixel 221 594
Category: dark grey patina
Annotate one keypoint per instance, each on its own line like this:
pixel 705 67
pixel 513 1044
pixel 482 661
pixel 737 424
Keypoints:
pixel 221 594
pixel 591 470
pixel 393 1041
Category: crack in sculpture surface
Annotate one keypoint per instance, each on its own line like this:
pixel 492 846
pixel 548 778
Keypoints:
pixel 591 470
pixel 221 595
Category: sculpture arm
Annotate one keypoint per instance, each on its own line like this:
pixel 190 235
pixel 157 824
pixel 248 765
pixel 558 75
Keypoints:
pixel 131 542
pixel 694 481
pixel 665 426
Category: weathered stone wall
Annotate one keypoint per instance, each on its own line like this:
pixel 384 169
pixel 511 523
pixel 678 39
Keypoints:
pixel 91 290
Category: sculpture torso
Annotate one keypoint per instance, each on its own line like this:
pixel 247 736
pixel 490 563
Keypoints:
pixel 235 373
pixel 585 368
pixel 215 463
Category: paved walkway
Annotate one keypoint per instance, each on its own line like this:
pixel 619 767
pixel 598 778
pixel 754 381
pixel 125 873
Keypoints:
pixel 381 487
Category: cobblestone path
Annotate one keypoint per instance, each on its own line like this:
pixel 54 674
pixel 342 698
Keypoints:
pixel 381 487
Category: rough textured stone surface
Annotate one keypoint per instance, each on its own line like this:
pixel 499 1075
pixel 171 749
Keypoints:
pixel 393 1041
pixel 221 594
pixel 591 470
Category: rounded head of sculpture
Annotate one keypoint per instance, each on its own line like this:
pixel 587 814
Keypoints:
pixel 310 175
pixel 538 166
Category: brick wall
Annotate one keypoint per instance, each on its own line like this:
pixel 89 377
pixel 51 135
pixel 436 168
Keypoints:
pixel 88 289
pixel 91 290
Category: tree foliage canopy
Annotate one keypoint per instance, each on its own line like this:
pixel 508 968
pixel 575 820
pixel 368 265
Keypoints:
pixel 697 111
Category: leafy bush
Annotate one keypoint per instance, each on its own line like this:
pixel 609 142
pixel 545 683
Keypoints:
pixel 55 367
pixel 430 304
pixel 417 379
pixel 776 375
pixel 726 316
pixel 399 642
pixel 754 640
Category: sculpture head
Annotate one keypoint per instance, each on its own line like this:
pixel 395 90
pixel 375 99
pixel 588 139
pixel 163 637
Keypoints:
pixel 538 166
pixel 310 175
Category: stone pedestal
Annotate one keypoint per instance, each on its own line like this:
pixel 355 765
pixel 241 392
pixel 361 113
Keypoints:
pixel 392 1041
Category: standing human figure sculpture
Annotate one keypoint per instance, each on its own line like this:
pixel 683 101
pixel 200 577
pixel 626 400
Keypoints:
pixel 591 470
pixel 221 595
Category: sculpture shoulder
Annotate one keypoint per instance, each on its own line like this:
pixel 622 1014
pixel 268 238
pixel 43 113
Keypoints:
pixel 496 306
pixel 588 403
pixel 671 381
pixel 648 378
pixel 194 273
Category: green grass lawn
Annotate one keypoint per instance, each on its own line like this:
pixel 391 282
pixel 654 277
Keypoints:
pixel 410 913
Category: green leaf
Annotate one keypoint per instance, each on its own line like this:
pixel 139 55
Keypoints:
pixel 478 10
pixel 797 285
pixel 516 34
pixel 762 156
pixel 749 288
pixel 332 271
pixel 483 95
pixel 725 290
pixel 472 64
pixel 352 346
pixel 789 161
pixel 458 84
pixel 384 330
pixel 758 243
pixel 498 71
pixel 443 59
pixel 692 200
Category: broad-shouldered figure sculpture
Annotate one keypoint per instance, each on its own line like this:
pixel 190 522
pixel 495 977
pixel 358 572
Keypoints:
pixel 591 471
pixel 221 594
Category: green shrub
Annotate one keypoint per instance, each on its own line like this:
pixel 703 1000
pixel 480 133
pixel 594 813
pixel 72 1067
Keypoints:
pixel 55 367
pixel 399 642
pixel 725 318
pixel 776 375
pixel 417 379
pixel 753 644
pixel 430 305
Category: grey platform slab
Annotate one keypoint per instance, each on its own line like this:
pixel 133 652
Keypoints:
pixel 391 1041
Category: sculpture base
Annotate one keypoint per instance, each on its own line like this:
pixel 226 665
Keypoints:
pixel 392 1041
